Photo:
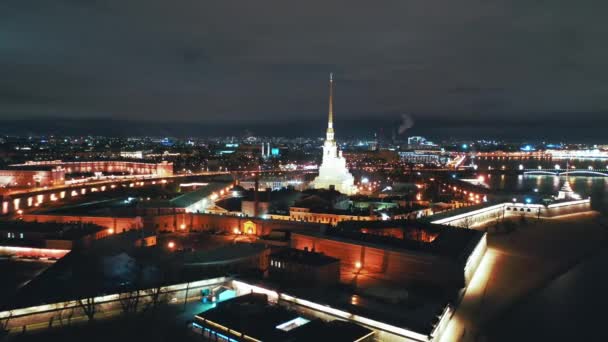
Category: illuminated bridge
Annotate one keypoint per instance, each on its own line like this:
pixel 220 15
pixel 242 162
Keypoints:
pixel 567 172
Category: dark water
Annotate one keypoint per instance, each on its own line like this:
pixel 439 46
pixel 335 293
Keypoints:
pixel 595 187
pixel 570 308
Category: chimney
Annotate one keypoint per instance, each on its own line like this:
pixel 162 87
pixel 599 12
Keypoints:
pixel 256 195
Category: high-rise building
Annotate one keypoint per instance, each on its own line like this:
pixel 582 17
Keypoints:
pixel 333 171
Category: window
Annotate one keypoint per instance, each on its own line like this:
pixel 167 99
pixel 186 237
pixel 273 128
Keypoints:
pixel 21 235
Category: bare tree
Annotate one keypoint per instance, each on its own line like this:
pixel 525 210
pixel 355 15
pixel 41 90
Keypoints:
pixel 66 313
pixel 497 217
pixel 4 324
pixel 129 301
pixel 467 222
pixel 156 296
pixel 88 307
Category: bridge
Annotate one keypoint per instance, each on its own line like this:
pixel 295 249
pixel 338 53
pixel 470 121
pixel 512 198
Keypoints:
pixel 567 172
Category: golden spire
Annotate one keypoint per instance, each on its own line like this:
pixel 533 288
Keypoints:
pixel 330 120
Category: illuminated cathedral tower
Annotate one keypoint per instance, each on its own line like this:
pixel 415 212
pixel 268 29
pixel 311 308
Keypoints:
pixel 333 171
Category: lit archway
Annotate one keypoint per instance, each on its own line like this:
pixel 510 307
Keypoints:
pixel 249 227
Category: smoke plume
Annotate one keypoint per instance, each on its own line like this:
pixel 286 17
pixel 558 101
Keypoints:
pixel 407 122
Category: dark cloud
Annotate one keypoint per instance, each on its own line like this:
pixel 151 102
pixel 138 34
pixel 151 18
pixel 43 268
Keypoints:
pixel 190 60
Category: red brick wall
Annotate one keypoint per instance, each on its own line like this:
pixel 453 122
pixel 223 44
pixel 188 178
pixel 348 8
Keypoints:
pixel 385 264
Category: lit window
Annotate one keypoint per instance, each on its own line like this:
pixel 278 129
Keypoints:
pixel 21 235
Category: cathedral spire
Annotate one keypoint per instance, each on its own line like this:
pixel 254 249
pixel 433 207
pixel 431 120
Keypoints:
pixel 330 120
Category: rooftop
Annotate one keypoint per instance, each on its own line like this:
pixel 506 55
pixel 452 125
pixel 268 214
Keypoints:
pixel 303 257
pixel 253 316
pixel 192 197
pixel 450 242
pixel 418 312
pixel 24 167
pixel 223 255
pixel 54 230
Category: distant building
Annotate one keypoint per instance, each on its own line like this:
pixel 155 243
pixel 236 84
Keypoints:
pixel 423 157
pixel 327 217
pixel 305 267
pixel 274 183
pixel 50 235
pixel 419 141
pixel 54 172
pixel 132 154
pixel 32 176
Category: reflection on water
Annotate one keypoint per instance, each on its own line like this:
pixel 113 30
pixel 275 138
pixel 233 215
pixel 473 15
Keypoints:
pixel 586 186
pixel 533 163
pixel 595 187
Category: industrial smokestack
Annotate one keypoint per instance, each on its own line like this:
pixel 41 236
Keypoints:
pixel 256 198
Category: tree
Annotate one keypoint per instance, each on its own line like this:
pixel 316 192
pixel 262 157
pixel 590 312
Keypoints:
pixel 4 324
pixel 467 222
pixel 129 301
pixel 88 277
pixel 497 217
pixel 522 219
pixel 66 313
pixel 159 276
pixel 156 296
pixel 88 307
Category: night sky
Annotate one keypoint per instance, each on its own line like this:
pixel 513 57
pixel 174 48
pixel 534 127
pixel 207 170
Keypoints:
pixel 445 62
